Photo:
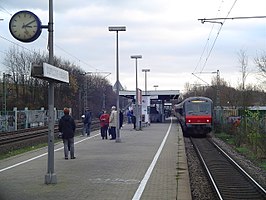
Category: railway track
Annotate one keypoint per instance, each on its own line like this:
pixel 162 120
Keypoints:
pixel 8 137
pixel 228 179
pixel 17 139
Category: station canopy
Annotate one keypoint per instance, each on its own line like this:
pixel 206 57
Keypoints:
pixel 165 95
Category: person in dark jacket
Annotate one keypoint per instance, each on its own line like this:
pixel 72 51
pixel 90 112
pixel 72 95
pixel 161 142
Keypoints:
pixel 133 119
pixel 67 127
pixel 87 121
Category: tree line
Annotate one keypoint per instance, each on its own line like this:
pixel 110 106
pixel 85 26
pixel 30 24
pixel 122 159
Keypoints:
pixel 223 94
pixel 250 131
pixel 22 90
pixel 25 91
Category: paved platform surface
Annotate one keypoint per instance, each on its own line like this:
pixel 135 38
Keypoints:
pixel 149 164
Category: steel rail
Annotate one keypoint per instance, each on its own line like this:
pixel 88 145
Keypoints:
pixel 218 166
pixel 240 168
pixel 14 142
pixel 207 170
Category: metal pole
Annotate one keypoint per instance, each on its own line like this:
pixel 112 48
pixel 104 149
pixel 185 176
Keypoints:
pixel 138 122
pixel 3 96
pixel 117 93
pixel 4 91
pixel 4 103
pixel 145 70
pixel 145 82
pixel 85 98
pixel 50 177
pixel 137 97
pixel 117 29
pixel 218 89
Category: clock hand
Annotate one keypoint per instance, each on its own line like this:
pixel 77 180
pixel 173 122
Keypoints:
pixel 27 25
pixel 30 23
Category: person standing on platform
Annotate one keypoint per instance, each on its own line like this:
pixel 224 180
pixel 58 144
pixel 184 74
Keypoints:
pixel 84 126
pixel 113 122
pixel 129 116
pixel 87 121
pixel 121 119
pixel 133 119
pixel 104 123
pixel 67 127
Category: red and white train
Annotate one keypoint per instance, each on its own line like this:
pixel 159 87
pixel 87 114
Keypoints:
pixel 195 115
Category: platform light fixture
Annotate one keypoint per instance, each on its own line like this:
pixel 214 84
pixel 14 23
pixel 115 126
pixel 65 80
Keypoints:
pixel 5 78
pixel 145 71
pixel 117 29
pixel 138 118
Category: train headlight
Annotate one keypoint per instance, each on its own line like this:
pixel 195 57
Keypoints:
pixel 208 120
pixel 189 121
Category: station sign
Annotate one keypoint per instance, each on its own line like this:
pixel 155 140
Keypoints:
pixel 154 96
pixel 50 73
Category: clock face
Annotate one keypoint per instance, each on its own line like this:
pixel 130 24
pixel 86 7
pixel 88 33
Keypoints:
pixel 25 26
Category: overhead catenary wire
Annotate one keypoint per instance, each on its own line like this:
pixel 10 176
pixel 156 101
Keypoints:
pixel 225 18
pixel 218 33
pixel 5 10
pixel 208 39
pixel 81 61
pixel 19 45
pixel 57 46
pixel 213 44
pixel 201 79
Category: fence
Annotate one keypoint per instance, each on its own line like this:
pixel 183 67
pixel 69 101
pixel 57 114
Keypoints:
pixel 230 117
pixel 248 128
pixel 21 119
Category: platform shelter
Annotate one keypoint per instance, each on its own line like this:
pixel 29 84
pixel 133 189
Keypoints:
pixel 153 103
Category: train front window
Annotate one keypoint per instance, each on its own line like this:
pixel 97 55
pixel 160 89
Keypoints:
pixel 198 108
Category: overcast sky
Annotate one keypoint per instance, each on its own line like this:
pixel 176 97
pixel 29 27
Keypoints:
pixel 167 33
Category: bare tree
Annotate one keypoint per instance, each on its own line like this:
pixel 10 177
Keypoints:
pixel 187 87
pixel 243 60
pixel 32 92
pixel 261 64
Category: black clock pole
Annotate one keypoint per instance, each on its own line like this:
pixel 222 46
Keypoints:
pixel 50 177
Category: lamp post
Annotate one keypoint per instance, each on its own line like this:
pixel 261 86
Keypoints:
pixel 4 97
pixel 50 177
pixel 217 87
pixel 137 94
pixel 85 92
pixel 145 71
pixel 104 91
pixel 117 29
pixel 5 90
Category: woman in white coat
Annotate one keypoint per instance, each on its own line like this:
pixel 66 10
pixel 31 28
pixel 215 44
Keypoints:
pixel 113 122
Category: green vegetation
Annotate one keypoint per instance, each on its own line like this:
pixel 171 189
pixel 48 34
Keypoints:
pixel 263 165
pixel 229 139
pixel 21 151
pixel 244 150
pixel 237 124
pixel 25 149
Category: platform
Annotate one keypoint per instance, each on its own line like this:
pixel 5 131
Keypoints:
pixel 148 164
